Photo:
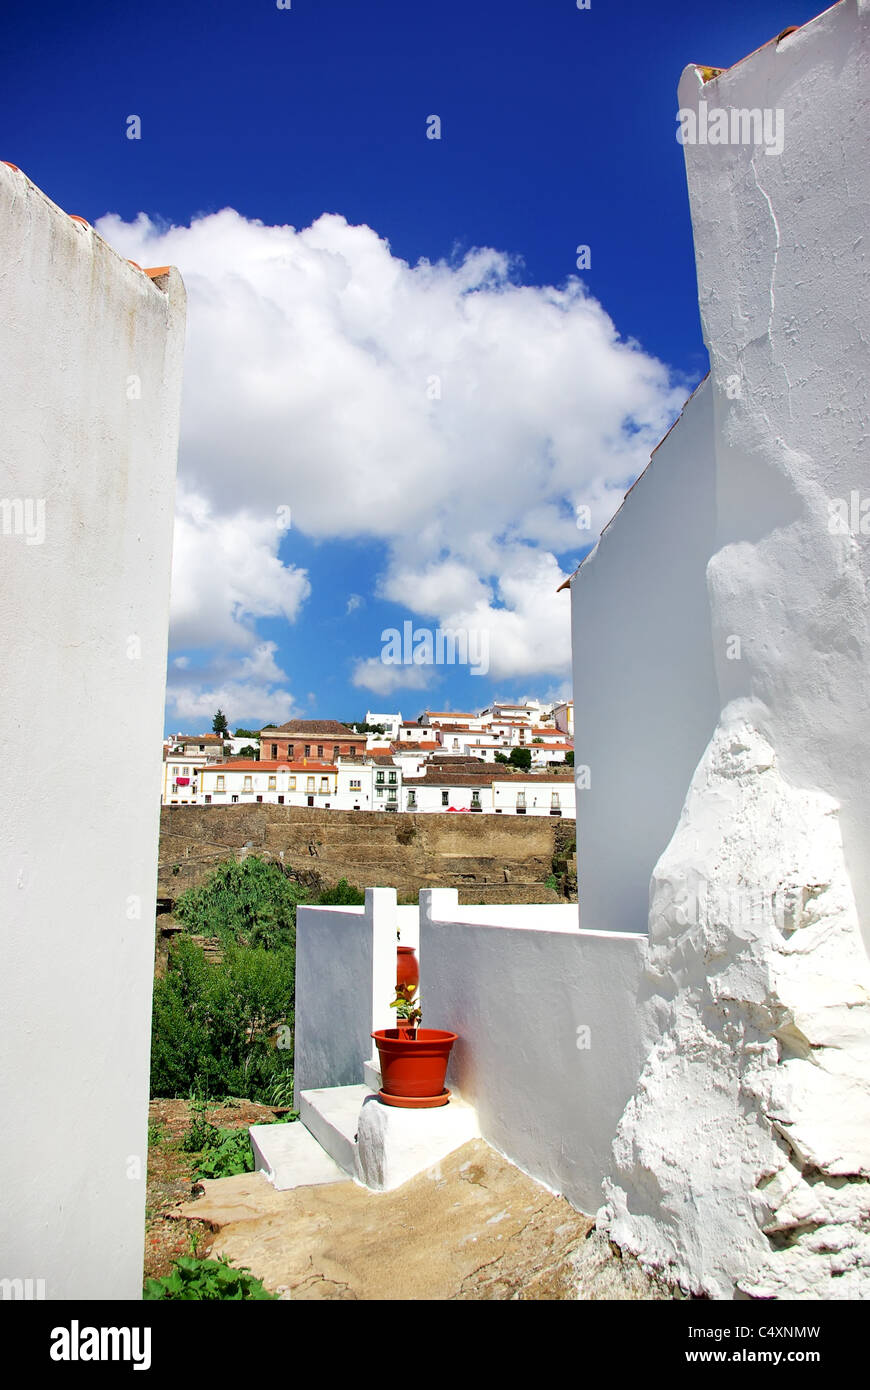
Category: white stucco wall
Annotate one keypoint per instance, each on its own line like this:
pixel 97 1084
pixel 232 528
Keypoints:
pixel 783 284
pixel 89 398
pixel 345 980
pixel 742 1161
pixel 550 1042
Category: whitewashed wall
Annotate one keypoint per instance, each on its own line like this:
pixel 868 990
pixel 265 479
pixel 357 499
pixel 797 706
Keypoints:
pixel 345 980
pixel 549 1044
pixel 733 743
pixel 89 399
pixel 645 693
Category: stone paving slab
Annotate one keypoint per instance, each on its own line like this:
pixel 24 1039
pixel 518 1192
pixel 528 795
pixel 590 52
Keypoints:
pixel 472 1227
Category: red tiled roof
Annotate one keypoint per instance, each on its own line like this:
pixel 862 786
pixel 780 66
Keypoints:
pixel 312 727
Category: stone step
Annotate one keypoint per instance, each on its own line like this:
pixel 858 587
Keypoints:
pixel 331 1114
pixel 290 1156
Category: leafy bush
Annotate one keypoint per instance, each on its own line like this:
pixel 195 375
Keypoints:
pixel 206 1279
pixel 342 895
pixel 213 1031
pixel 246 903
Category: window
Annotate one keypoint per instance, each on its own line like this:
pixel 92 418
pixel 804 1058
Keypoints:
pixel 320 750
pixel 186 772
pixel 391 794
pixel 274 750
pixel 220 785
pixel 291 750
pixel 554 801
pixel 280 801
pixel 259 798
pixel 207 799
pixel 234 798
pixel 175 771
pixel 445 798
pixel 335 751
pixel 379 777
pixel 308 750
pixel 248 785
pixel 379 791
pixel 392 776
pixel 412 799
pixel 324 786
pixel 273 784
pixel 355 784
pixel 291 784
pixel 475 798
pixel 310 785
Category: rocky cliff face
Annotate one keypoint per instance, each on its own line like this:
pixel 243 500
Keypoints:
pixel 742 1163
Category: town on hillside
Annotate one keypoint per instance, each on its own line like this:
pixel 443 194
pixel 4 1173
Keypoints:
pixel 516 759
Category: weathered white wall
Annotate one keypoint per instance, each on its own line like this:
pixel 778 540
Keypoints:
pixel 83 626
pixel 548 1093
pixel 782 280
pixel 742 1161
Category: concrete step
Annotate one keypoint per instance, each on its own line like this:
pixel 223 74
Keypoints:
pixel 290 1156
pixel 331 1114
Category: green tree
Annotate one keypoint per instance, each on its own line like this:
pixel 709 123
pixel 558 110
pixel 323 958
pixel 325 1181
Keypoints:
pixel 219 723
pixel 569 758
pixel 521 757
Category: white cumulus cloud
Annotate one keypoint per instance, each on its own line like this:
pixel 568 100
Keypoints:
pixel 458 417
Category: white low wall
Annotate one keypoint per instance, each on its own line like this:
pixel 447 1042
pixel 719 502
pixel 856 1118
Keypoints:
pixel 550 1045
pixel 345 980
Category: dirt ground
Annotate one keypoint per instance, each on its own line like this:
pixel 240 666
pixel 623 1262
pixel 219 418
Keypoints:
pixel 171 1178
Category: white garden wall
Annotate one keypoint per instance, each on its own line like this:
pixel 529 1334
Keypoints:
pixel 89 401
pixel 345 980
pixel 549 1043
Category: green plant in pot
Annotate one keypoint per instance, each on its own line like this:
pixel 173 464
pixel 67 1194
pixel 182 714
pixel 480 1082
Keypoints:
pixel 408 1012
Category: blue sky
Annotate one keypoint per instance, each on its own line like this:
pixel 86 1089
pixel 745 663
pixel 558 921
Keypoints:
pixel 312 353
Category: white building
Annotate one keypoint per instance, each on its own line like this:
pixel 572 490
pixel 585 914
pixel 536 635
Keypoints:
pixel 728 809
pixel 89 394
pixel 563 717
pixel 307 782
pixel 464 784
pixel 392 722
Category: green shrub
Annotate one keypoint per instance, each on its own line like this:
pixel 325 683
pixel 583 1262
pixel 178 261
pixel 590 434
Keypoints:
pixel 213 1031
pixel 342 895
pixel 247 903
pixel 205 1279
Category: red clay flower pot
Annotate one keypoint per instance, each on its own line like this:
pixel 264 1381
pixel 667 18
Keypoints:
pixel 407 967
pixel 413 1069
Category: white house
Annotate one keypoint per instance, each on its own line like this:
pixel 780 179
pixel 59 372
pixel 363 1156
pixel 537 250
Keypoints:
pixel 90 390
pixel 392 722
pixel 306 782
